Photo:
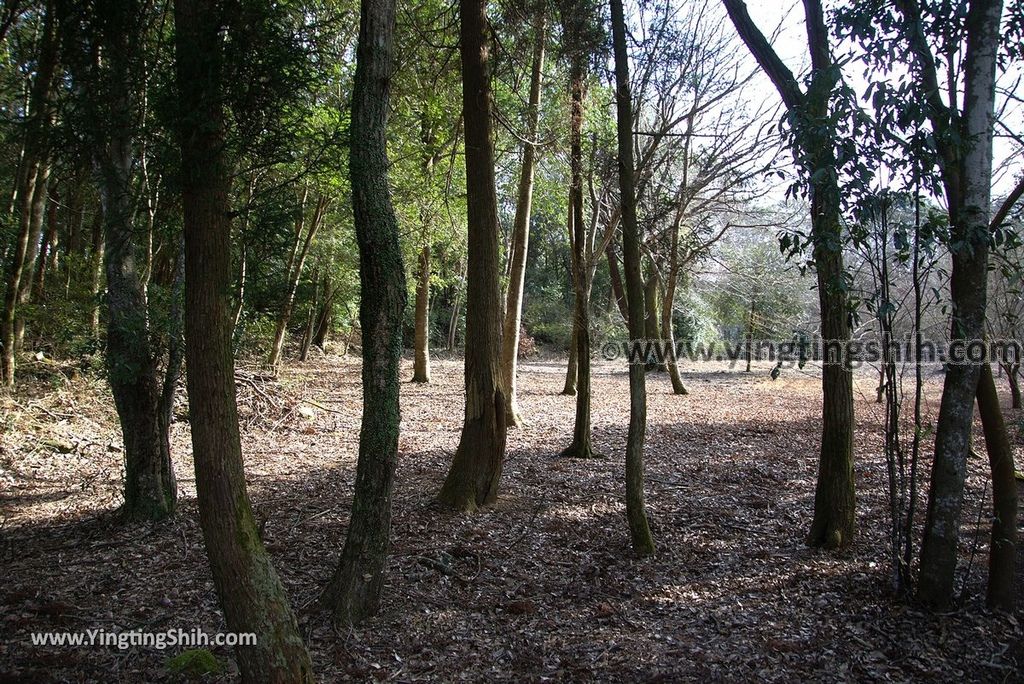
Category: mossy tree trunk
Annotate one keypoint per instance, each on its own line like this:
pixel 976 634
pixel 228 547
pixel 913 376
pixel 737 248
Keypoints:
pixel 249 589
pixel 472 480
pixel 636 514
pixel 354 592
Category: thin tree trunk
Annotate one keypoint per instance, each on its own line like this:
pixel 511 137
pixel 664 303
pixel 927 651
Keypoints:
pixel 473 478
pixel 33 166
pixel 581 445
pixel 521 232
pixel 294 276
pixel 48 253
pixel 421 356
pixel 569 388
pixel 1003 545
pixel 250 591
pixel 636 515
pixel 96 271
pixel 37 216
pixel 354 592
pixel 1012 371
pixel 668 334
pixel 618 291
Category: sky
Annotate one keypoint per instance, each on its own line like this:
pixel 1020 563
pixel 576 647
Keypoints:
pixel 790 44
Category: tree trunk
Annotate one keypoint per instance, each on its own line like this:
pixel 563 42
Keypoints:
pixel 250 591
pixel 324 315
pixel 639 528
pixel 581 446
pixel 295 275
pixel 354 592
pixel 1013 379
pixel 652 331
pixel 1003 545
pixel 966 174
pixel 96 272
pixel 815 138
pixel 618 291
pixel 473 478
pixel 521 233
pixel 750 331
pixel 421 357
pixel 668 333
pixel 132 364
pixel 37 215
pixel 569 388
pixel 48 253
pixel 34 166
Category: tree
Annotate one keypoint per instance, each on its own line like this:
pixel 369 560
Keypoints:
pixel 812 121
pixel 963 138
pixel 354 591
pixel 132 356
pixel 472 480
pixel 250 591
pixel 521 229
pixel 31 183
pixel 636 515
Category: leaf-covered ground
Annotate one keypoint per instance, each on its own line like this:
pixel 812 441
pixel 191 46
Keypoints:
pixel 540 587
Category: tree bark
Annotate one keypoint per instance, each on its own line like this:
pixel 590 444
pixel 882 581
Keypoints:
pixel 1013 380
pixel 636 515
pixel 473 478
pixel 521 232
pixel 250 591
pixel 354 592
pixel 1003 545
pixel 421 358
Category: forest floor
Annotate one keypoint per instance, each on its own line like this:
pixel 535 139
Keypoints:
pixel 543 585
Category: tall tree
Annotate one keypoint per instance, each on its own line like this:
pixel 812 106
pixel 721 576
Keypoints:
pixel 812 120
pixel 636 515
pixel 354 591
pixel 133 358
pixel 963 138
pixel 521 229
pixel 250 591
pixel 472 480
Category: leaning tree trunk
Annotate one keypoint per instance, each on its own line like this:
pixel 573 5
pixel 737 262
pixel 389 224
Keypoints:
pixel 667 303
pixel 1003 544
pixel 421 357
pixel 581 445
pixel 639 527
pixel 473 478
pixel 250 591
pixel 132 364
pixel 354 592
pixel 521 233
